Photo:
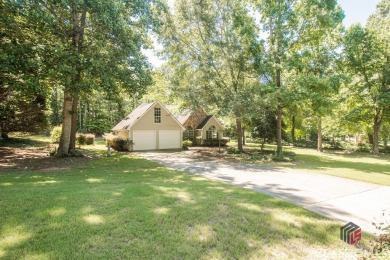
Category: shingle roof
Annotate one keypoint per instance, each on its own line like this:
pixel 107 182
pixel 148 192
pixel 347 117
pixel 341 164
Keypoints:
pixel 180 116
pixel 133 117
pixel 183 116
pixel 204 122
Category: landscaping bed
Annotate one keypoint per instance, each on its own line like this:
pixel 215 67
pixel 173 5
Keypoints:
pixel 33 153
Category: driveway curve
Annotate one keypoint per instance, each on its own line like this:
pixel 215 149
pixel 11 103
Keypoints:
pixel 337 198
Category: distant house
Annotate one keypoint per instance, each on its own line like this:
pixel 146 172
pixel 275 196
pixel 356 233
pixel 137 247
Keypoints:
pixel 151 127
pixel 200 127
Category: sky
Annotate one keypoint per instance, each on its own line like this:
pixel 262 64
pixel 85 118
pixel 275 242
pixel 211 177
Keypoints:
pixel 356 11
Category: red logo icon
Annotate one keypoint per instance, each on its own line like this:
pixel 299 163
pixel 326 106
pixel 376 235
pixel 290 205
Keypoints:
pixel 350 233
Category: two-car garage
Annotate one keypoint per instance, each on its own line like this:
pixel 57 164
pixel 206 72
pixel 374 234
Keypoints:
pixel 151 127
pixel 156 139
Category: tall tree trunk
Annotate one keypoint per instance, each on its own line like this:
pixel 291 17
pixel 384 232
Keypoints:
pixel 333 141
pixel 293 129
pixel 111 109
pixel 275 45
pixel 77 42
pixel 243 136
pixel 239 134
pixel 376 126
pixel 56 117
pixel 80 122
pixel 279 148
pixel 319 131
pixel 72 144
pixel 278 77
pixel 262 145
pixel 370 138
pixel 86 117
pixel 63 148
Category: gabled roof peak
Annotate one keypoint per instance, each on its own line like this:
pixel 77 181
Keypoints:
pixel 131 118
pixel 137 113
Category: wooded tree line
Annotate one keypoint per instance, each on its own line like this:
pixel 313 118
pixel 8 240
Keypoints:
pixel 76 50
pixel 79 63
pixel 291 57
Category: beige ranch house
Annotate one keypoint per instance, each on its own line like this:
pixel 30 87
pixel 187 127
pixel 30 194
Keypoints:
pixel 151 126
pixel 200 127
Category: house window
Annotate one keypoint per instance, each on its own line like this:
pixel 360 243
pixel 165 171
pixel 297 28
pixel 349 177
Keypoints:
pixel 188 133
pixel 157 115
pixel 211 133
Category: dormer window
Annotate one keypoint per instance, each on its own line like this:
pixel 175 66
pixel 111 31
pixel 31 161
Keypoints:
pixel 157 115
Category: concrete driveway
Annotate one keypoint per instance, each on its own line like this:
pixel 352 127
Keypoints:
pixel 340 199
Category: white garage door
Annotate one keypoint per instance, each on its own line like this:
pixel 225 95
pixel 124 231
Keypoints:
pixel 169 139
pixel 144 140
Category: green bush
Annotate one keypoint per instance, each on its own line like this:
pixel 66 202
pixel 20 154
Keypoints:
pixel 385 149
pixel 117 143
pixel 363 147
pixel 232 150
pixel 52 150
pixel 85 139
pixel 333 145
pixel 305 143
pixel 186 144
pixel 348 146
pixel 81 139
pixel 121 144
pixel 89 139
pixel 215 142
pixel 55 134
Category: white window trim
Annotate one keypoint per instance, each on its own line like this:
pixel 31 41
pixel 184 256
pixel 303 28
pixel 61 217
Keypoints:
pixel 188 134
pixel 157 117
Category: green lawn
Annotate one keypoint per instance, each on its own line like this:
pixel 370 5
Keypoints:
pixel 358 166
pixel 124 207
pixel 20 141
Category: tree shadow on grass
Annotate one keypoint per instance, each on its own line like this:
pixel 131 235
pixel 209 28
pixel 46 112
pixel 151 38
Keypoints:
pixel 381 157
pixel 17 142
pixel 139 209
pixel 315 162
pixel 29 154
pixel 30 159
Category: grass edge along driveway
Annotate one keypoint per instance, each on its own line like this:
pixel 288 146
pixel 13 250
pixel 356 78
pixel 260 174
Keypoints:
pixel 355 165
pixel 128 207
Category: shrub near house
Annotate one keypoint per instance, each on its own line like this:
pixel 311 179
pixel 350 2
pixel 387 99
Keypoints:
pixel 117 143
pixel 85 139
pixel 81 138
pixel 215 142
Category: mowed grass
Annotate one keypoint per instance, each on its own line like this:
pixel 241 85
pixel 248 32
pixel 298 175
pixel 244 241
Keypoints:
pixel 358 166
pixel 124 207
pixel 21 141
